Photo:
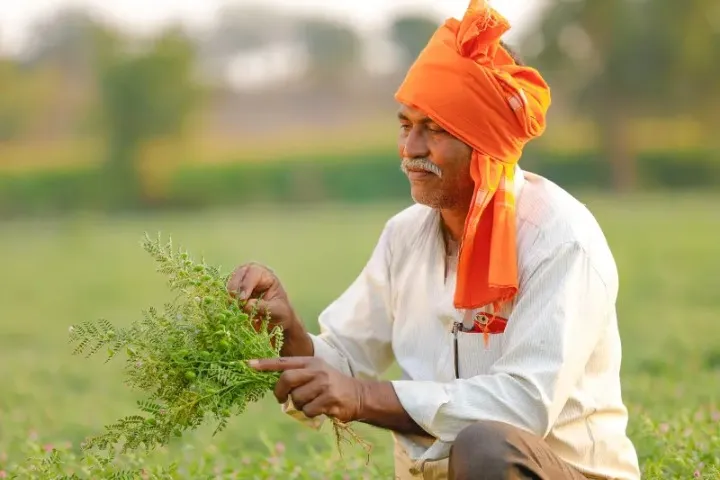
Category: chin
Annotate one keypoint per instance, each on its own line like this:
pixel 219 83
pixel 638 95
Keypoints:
pixel 425 198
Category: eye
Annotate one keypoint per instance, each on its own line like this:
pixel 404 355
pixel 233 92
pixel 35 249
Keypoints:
pixel 405 127
pixel 436 129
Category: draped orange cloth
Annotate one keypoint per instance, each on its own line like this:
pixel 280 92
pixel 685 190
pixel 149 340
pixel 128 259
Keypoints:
pixel 467 83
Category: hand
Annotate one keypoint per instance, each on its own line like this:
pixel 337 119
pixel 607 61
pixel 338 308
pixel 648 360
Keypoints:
pixel 315 387
pixel 251 281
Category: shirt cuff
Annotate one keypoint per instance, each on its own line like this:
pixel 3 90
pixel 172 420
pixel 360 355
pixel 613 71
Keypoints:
pixel 331 355
pixel 422 401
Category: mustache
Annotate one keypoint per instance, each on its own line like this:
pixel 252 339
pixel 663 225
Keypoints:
pixel 420 164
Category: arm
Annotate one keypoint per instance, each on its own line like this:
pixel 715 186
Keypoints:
pixel 380 407
pixel 356 329
pixel 549 339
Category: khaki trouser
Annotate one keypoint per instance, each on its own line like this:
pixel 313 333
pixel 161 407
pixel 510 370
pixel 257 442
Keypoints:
pixel 491 451
pixel 436 470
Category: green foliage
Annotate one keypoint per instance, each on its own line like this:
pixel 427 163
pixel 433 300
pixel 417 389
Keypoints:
pixel 270 461
pixel 616 60
pixel 684 447
pixel 150 93
pixel 688 442
pixel 145 93
pixel 361 177
pixel 629 55
pixel 190 358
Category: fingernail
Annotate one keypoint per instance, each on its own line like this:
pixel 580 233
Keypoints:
pixel 242 295
pixel 253 363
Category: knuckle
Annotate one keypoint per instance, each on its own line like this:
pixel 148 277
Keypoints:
pixel 310 412
pixel 256 266
pixel 299 403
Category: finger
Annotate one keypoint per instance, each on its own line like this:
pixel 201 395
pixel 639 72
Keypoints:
pixel 280 364
pixel 289 381
pixel 306 393
pixel 255 282
pixel 316 407
pixel 248 284
pixel 233 284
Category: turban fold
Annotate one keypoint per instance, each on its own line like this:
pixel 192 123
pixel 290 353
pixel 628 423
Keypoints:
pixel 466 82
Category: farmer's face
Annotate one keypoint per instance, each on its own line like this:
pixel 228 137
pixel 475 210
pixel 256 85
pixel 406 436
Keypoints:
pixel 436 163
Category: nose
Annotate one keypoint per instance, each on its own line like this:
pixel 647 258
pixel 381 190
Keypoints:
pixel 414 145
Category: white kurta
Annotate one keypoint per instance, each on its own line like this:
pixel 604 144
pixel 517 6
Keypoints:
pixel 555 371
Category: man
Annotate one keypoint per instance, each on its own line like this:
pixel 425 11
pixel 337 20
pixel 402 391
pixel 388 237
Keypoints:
pixel 495 294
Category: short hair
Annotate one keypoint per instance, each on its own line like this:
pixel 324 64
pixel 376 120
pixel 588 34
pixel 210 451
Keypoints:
pixel 513 53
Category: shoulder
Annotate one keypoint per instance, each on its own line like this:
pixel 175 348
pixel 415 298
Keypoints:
pixel 551 220
pixel 410 227
pixel 410 222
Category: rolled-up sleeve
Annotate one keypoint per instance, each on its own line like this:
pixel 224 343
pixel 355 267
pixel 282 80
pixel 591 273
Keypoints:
pixel 356 329
pixel 560 314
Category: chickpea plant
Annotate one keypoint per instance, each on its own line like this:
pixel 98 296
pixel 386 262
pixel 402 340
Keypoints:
pixel 190 358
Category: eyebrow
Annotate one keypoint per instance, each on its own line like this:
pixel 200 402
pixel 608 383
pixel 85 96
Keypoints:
pixel 403 117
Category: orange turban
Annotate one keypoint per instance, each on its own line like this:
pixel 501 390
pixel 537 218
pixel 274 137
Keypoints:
pixel 466 82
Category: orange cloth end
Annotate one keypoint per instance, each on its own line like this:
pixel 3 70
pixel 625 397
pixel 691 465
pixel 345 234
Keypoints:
pixel 495 106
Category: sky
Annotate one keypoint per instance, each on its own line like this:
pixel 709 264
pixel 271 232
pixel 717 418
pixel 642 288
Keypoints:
pixel 146 15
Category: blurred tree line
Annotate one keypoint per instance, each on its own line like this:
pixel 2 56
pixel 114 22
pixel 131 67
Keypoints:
pixel 609 61
pixel 620 60
pixel 81 75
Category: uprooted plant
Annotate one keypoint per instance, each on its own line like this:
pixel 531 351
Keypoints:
pixel 190 359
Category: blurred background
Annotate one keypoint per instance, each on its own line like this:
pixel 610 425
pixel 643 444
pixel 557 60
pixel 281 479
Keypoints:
pixel 266 130
pixel 202 104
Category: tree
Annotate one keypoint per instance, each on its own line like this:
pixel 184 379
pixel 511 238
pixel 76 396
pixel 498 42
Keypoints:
pixel 623 59
pixel 144 95
pixel 411 33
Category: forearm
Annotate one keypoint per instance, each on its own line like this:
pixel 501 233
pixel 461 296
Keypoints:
pixel 296 341
pixel 380 407
pixel 297 345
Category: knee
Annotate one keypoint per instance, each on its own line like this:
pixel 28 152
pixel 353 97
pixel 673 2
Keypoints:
pixel 480 447
pixel 483 431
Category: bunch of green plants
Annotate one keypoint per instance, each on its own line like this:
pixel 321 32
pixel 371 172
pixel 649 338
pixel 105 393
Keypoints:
pixel 190 359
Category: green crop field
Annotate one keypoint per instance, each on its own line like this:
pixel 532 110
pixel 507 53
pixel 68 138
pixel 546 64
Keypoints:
pixel 56 273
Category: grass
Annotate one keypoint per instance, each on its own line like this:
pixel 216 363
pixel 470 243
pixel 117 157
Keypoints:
pixel 65 271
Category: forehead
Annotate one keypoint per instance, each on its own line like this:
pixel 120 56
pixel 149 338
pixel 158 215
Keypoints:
pixel 410 113
pixel 414 114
